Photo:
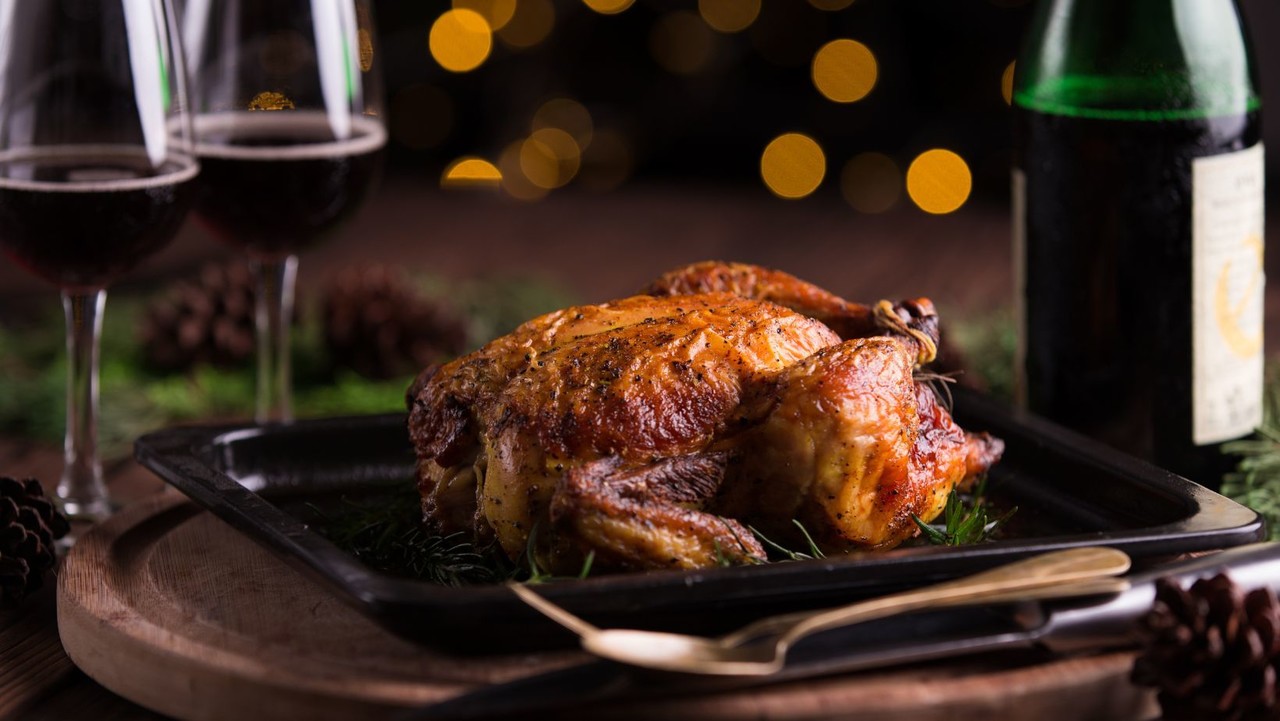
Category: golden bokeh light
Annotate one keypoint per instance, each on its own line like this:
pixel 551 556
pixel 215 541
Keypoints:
pixel 271 100
pixel 568 115
pixel 607 162
pixel 495 12
pixel 531 24
pixel 871 182
pixel 831 5
pixel 608 7
pixel 471 172
pixel 793 165
pixel 1006 83
pixel 514 181
pixel 420 117
pixel 460 40
pixel 939 181
pixel 844 71
pixel 550 158
pixel 729 16
pixel 681 43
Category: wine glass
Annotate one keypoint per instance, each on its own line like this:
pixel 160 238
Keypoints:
pixel 96 173
pixel 289 135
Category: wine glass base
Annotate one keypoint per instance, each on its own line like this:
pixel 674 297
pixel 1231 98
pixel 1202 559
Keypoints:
pixel 92 511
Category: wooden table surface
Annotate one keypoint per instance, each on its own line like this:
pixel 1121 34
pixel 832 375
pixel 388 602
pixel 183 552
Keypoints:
pixel 599 246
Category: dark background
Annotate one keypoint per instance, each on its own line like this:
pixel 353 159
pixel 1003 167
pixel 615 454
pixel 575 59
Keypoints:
pixel 939 85
pixel 681 180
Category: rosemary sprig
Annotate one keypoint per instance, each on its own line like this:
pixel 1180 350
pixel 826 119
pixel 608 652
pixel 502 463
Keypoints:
pixel 785 553
pixel 533 573
pixel 964 521
pixel 789 554
pixel 387 535
pixel 536 573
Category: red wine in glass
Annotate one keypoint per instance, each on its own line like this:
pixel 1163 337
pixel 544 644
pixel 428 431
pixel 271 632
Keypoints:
pixel 97 170
pixel 289 149
pixel 275 182
pixel 79 216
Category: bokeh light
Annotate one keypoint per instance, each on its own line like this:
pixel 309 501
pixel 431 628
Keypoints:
pixel 460 40
pixel 1006 83
pixel 681 43
pixel 469 173
pixel 844 71
pixel 421 116
pixel 871 182
pixel 495 12
pixel 793 165
pixel 608 7
pixel 729 16
pixel 271 100
pixel 568 115
pixel 831 5
pixel 514 181
pixel 531 24
pixel 550 158
pixel 939 181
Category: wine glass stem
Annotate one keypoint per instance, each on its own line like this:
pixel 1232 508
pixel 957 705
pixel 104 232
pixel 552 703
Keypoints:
pixel 81 489
pixel 274 314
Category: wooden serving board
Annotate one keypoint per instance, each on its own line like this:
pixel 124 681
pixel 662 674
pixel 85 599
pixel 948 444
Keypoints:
pixel 169 607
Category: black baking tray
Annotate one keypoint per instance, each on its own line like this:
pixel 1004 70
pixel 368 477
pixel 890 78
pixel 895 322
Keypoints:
pixel 1070 492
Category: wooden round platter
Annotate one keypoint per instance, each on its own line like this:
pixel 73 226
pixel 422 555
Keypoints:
pixel 166 605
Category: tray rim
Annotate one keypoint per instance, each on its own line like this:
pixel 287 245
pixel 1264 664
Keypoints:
pixel 184 457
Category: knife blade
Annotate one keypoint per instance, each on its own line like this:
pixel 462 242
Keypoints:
pixel 1059 626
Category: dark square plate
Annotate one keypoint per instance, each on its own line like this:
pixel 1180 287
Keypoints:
pixel 1070 492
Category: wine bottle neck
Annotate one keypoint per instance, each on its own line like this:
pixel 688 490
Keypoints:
pixel 1137 60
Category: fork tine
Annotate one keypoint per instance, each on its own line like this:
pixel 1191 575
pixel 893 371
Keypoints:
pixel 551 610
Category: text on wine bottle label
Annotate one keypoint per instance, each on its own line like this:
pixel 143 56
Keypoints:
pixel 1227 294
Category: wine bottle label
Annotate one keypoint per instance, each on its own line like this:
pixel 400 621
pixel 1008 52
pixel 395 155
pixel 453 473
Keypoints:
pixel 1227 295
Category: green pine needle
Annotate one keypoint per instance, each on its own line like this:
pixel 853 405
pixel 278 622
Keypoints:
pixel 386 533
pixel 786 553
pixel 814 551
pixel 1256 479
pixel 533 573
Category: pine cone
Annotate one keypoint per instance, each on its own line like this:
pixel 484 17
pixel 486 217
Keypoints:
pixel 1211 651
pixel 29 524
pixel 378 325
pixel 208 320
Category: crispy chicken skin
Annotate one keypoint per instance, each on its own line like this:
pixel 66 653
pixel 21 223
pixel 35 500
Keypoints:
pixel 915 319
pixel 852 448
pixel 651 429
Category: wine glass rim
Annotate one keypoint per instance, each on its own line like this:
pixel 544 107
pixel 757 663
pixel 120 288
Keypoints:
pixel 367 134
pixel 187 167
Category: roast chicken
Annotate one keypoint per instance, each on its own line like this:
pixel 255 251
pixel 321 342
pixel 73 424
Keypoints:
pixel 665 429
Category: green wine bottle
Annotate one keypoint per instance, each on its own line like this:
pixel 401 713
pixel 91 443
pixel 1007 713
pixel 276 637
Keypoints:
pixel 1138 226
